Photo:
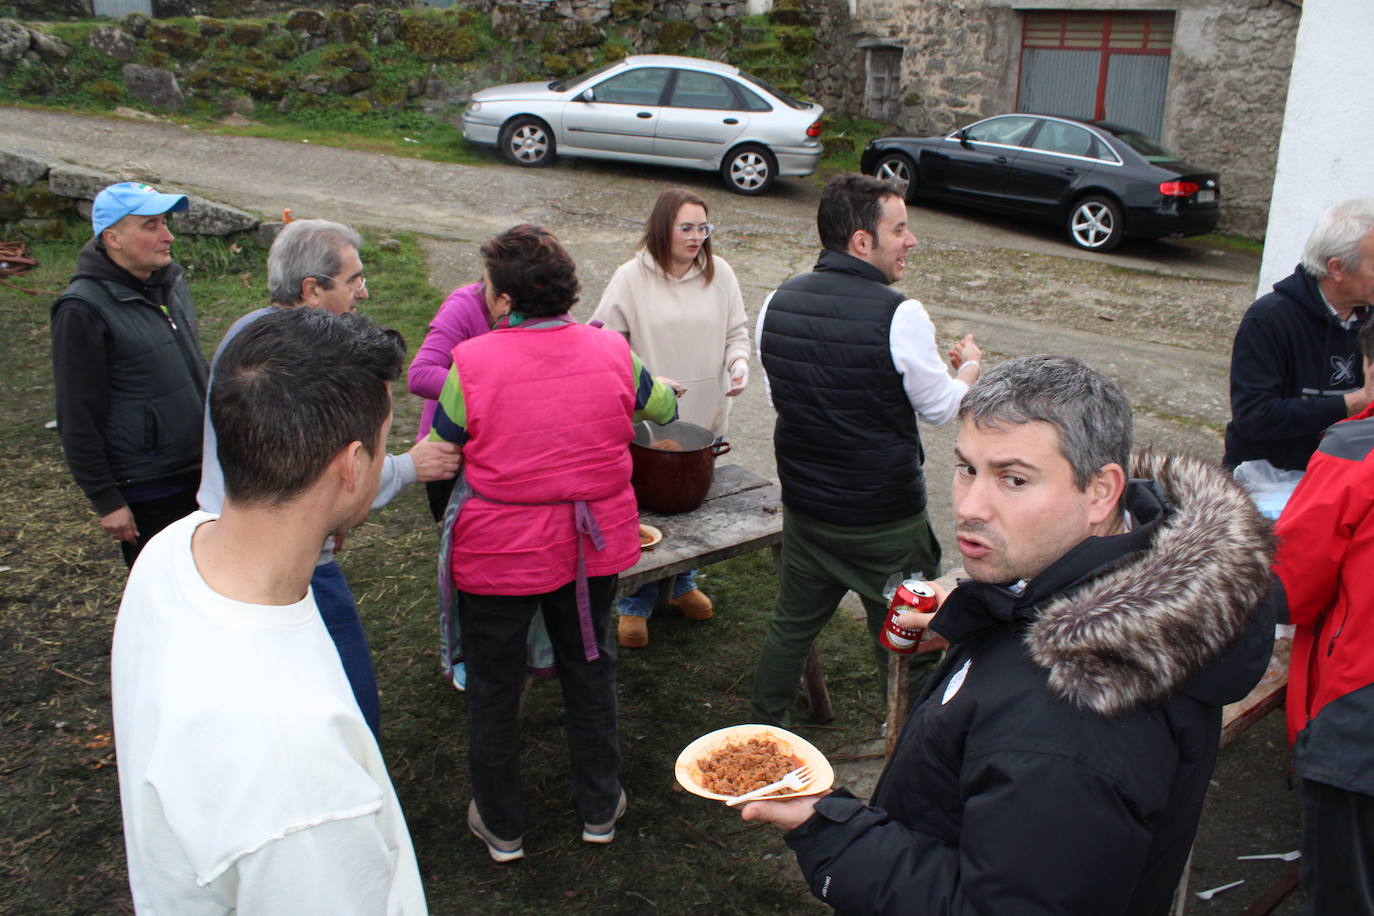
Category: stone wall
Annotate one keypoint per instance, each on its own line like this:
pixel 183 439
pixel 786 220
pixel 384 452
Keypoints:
pixel 42 197
pixel 1228 78
pixel 1228 84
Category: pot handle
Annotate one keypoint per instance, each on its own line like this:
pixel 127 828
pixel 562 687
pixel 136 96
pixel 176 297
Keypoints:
pixel 720 448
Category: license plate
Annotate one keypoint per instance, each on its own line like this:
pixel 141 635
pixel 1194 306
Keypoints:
pixel 1206 196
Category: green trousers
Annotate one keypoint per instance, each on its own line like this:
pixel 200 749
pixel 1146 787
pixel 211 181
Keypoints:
pixel 820 563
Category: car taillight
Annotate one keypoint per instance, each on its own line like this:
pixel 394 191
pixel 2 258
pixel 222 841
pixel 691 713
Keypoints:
pixel 1177 188
pixel 814 130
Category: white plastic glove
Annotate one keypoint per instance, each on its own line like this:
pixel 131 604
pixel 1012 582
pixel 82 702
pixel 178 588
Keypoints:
pixel 739 376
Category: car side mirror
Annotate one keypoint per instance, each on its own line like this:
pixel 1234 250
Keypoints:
pixel 588 96
pixel 963 137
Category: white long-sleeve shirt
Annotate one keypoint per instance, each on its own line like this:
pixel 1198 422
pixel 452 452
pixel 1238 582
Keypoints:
pixel 934 394
pixel 248 779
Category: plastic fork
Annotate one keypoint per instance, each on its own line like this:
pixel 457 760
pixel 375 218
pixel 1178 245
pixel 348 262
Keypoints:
pixel 1209 894
pixel 795 780
pixel 1292 856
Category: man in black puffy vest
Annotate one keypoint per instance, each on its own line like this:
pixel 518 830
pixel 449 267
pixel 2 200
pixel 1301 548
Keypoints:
pixel 851 363
pixel 127 369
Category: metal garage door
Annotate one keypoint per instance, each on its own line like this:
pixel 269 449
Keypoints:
pixel 1097 65
pixel 115 8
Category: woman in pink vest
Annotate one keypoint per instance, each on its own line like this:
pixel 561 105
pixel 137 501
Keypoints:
pixel 543 409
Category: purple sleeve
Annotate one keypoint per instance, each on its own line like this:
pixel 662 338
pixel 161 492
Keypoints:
pixel 462 315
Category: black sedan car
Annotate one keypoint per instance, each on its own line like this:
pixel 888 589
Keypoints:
pixel 1100 181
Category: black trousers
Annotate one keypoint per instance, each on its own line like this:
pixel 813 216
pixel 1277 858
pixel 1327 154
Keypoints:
pixel 494 630
pixel 1337 851
pixel 153 515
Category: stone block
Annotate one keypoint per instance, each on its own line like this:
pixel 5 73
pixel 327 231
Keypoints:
pixel 14 40
pixel 67 180
pixel 312 22
pixel 153 86
pixel 208 218
pixel 114 42
pixel 49 47
pixel 20 167
pixel 268 232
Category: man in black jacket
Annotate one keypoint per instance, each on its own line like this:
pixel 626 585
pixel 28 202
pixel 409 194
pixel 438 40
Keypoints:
pixel 1295 364
pixel 1058 760
pixel 127 369
pixel 851 364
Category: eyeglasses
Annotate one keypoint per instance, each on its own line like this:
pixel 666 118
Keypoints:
pixel 356 285
pixel 702 229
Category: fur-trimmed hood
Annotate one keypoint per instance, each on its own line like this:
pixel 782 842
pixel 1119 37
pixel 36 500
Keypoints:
pixel 1177 612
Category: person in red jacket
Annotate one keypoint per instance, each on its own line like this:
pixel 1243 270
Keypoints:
pixel 1326 553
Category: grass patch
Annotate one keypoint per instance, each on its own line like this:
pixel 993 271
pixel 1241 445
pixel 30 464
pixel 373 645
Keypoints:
pixel 60 588
pixel 1231 243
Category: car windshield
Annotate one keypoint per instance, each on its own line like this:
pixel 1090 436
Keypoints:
pixel 1149 150
pixel 564 85
pixel 775 93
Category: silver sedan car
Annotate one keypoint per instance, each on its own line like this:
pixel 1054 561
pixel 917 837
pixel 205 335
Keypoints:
pixel 656 109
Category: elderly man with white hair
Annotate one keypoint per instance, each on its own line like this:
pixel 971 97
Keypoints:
pixel 1295 365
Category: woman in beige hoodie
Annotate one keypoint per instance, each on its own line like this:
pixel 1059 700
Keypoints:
pixel 681 309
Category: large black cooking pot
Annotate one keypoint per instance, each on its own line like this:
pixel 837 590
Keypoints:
pixel 676 480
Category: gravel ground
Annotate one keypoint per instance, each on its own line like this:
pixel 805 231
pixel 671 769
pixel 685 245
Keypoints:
pixel 1158 316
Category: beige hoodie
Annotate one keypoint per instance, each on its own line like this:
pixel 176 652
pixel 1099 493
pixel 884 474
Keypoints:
pixel 684 329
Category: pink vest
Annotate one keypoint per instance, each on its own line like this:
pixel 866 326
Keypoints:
pixel 548 416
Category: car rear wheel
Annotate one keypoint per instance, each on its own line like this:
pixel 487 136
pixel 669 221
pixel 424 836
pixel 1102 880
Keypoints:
pixel 527 141
pixel 1095 224
pixel 749 169
pixel 901 171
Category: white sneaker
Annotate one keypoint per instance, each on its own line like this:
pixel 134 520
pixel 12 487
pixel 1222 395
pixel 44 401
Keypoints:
pixel 460 676
pixel 604 833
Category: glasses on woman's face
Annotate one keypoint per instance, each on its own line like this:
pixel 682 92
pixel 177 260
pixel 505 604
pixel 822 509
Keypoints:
pixel 691 229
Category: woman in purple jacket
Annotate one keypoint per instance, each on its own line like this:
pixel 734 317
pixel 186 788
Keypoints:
pixel 462 315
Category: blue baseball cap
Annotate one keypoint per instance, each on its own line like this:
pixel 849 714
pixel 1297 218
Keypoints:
pixel 131 197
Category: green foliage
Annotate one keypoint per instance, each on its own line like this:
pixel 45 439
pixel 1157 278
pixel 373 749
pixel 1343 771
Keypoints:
pixel 247 34
pixel 674 37
pixel 436 36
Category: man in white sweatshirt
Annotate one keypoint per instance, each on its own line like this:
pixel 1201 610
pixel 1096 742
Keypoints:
pixel 248 778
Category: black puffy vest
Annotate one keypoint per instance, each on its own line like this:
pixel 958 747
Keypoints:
pixel 847 447
pixel 157 380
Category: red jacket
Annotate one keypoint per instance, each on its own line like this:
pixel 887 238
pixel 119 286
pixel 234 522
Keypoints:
pixel 1326 563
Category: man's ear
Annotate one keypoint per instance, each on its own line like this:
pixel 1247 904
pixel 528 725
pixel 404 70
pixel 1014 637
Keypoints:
pixel 350 461
pixel 1104 492
pixel 1335 270
pixel 310 292
pixel 861 243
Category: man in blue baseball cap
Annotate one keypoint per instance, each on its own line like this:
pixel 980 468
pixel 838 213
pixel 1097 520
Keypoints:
pixel 127 369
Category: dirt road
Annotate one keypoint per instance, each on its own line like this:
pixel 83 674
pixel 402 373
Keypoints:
pixel 1157 316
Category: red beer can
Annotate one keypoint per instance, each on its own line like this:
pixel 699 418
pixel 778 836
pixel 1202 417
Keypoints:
pixel 911 595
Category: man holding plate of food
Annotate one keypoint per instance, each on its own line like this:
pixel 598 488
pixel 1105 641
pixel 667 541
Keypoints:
pixel 1058 759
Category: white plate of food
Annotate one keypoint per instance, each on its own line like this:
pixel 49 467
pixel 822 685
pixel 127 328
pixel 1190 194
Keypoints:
pixel 732 761
pixel 649 536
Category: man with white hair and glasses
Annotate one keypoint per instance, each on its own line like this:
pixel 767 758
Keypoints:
pixel 1295 365
pixel 315 263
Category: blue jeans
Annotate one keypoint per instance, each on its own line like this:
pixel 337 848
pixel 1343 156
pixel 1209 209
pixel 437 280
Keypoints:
pixel 340 616
pixel 641 603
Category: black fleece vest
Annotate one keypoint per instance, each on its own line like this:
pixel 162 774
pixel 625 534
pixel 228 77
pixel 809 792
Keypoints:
pixel 157 380
pixel 847 447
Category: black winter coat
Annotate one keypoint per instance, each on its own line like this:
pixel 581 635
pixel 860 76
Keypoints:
pixel 1291 365
pixel 1058 761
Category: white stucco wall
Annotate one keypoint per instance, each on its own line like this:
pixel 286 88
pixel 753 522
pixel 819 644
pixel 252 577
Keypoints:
pixel 1326 152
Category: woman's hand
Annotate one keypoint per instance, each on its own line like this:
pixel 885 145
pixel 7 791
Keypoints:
pixel 677 389
pixel 739 376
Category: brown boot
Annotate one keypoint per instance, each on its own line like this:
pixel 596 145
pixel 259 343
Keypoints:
pixel 633 631
pixel 693 605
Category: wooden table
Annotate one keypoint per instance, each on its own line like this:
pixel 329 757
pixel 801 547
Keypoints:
pixel 742 513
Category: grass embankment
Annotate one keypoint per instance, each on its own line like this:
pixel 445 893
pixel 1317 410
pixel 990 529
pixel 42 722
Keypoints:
pixel 61 846
pixel 352 93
